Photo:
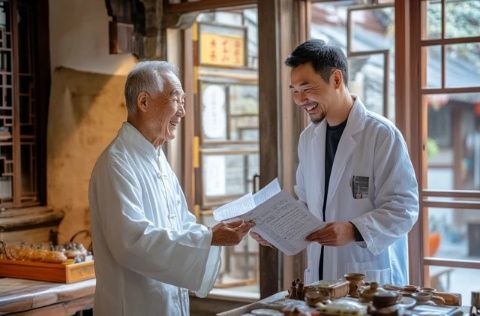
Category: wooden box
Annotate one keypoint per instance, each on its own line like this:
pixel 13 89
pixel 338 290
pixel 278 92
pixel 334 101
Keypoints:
pixel 333 289
pixel 52 272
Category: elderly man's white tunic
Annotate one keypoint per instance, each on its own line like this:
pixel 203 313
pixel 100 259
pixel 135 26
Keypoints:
pixel 148 248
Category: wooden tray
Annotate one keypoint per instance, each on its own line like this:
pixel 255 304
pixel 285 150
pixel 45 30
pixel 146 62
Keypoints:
pixel 52 272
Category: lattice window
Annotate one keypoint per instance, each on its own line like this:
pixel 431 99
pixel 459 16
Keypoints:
pixel 18 104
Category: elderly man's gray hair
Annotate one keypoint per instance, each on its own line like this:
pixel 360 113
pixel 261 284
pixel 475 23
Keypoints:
pixel 146 76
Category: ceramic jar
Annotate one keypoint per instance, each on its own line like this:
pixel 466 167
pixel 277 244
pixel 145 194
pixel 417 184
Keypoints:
pixel 367 294
pixel 355 282
pixel 384 298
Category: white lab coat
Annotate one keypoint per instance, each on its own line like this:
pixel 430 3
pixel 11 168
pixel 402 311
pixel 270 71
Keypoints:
pixel 370 146
pixel 148 249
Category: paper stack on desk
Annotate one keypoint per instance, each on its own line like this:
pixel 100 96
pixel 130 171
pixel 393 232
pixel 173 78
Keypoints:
pixel 280 219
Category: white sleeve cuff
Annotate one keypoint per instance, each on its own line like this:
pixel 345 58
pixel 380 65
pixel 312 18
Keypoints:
pixel 211 271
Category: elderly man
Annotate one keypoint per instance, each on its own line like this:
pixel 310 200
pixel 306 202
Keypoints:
pixel 148 249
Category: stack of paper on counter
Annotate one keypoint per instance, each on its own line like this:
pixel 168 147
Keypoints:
pixel 280 219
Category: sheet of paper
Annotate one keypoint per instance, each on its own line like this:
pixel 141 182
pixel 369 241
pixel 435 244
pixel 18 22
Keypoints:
pixel 246 203
pixel 267 192
pixel 235 208
pixel 280 219
pixel 284 222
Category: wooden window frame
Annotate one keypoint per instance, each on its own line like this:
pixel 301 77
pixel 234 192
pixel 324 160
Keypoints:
pixel 411 119
pixel 413 122
pixel 40 58
pixel 277 19
pixel 410 116
pixel 208 147
pixel 364 53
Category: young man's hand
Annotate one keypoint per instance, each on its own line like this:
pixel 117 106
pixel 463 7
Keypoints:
pixel 230 234
pixel 260 240
pixel 333 234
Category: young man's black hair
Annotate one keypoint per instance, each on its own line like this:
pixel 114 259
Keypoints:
pixel 324 58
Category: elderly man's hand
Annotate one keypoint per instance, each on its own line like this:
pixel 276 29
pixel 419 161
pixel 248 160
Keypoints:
pixel 333 234
pixel 230 234
pixel 260 239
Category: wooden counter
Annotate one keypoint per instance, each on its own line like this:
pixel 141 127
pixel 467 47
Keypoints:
pixel 45 298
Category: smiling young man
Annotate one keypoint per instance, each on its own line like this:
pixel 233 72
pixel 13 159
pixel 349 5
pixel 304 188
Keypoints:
pixel 354 173
pixel 149 251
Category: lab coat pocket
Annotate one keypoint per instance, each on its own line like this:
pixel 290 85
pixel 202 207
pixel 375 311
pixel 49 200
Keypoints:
pixel 360 187
pixel 372 271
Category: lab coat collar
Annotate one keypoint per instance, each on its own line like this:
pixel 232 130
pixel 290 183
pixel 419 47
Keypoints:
pixel 136 139
pixel 356 118
pixel 355 123
pixel 346 146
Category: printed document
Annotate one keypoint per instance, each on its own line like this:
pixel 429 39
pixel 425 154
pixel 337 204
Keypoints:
pixel 280 219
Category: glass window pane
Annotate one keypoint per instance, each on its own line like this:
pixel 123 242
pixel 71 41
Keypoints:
pixel 221 17
pixel 367 80
pixel 433 57
pixel 463 65
pixel 431 11
pixel 454 233
pixel 6 168
pixel 214 111
pixel 456 280
pixel 453 146
pixel 228 124
pixel 328 22
pixel 228 175
pixel 239 270
pixel 462 18
pixel 250 20
pixel 4 16
pixel 243 99
pixel 243 110
pixel 373 29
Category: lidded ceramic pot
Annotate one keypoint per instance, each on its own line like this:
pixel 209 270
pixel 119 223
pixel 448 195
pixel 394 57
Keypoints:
pixel 356 281
pixel 367 294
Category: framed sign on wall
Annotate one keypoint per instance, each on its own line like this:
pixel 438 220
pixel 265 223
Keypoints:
pixel 222 45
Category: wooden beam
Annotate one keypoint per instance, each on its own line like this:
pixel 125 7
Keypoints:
pixel 451 41
pixel 188 172
pixel 268 85
pixel 451 90
pixel 205 5
pixel 43 91
pixel 409 115
pixel 402 73
pixel 419 136
pixel 16 153
pixel 474 206
pixel 467 264
pixel 469 194
pixel 281 27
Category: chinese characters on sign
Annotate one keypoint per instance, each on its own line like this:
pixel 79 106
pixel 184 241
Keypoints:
pixel 222 50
